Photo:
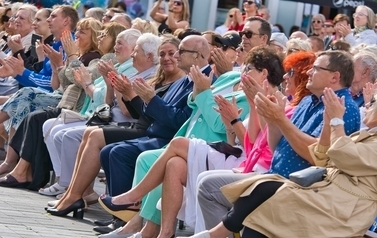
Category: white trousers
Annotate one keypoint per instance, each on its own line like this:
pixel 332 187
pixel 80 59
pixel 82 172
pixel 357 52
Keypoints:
pixel 53 128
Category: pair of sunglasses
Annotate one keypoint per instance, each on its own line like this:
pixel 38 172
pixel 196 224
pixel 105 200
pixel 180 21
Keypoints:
pixel 226 47
pixel 248 34
pixel 178 3
pixel 248 2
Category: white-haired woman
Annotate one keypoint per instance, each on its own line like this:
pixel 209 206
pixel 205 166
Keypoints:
pixel 143 53
pixel 364 21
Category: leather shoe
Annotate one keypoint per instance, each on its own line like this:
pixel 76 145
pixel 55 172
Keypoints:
pixel 104 222
pixel 115 224
pixel 123 211
pixel 11 182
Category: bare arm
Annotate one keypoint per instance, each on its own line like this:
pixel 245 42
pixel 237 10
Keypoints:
pixel 55 83
pixel 122 107
pixel 253 127
pixel 240 131
pixel 274 136
pixel 158 17
pixel 109 95
pixel 298 140
pixel 173 25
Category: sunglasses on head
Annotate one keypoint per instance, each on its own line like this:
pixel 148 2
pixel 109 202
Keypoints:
pixel 248 2
pixel 248 34
pixel 178 3
pixel 316 21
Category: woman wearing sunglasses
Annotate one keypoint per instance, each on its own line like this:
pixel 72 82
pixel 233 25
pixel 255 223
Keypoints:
pixel 364 21
pixel 229 18
pixel 250 8
pixel 178 16
pixel 317 25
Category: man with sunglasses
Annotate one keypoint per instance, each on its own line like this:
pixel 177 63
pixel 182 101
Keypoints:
pixel 256 32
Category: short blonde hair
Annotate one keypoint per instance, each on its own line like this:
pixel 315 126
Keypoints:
pixel 145 26
pixel 296 44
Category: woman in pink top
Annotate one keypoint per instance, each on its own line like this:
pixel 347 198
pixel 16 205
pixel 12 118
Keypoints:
pixel 255 141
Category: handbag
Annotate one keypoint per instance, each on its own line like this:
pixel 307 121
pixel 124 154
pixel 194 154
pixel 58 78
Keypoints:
pixel 308 176
pixel 101 116
pixel 70 97
pixel 69 116
pixel 224 148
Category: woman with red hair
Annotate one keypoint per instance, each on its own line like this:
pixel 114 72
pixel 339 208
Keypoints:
pixel 258 152
pixel 296 65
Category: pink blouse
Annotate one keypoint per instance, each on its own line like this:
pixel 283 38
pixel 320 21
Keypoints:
pixel 259 152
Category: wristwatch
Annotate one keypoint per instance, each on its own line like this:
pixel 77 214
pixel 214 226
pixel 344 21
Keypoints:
pixel 336 122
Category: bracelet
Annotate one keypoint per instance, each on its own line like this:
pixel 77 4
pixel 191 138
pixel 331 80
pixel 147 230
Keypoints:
pixel 59 68
pixel 235 121
pixel 88 84
pixel 72 55
pixel 230 131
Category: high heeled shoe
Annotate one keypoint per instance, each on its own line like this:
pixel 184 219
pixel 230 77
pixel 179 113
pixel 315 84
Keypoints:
pixel 123 211
pixel 77 208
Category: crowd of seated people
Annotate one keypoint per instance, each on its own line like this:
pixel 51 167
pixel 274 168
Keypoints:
pixel 205 127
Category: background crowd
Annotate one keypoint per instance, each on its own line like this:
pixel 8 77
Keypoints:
pixel 204 127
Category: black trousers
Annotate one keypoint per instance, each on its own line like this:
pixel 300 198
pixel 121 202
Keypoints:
pixel 245 205
pixel 28 142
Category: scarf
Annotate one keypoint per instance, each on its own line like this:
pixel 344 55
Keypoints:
pixel 359 29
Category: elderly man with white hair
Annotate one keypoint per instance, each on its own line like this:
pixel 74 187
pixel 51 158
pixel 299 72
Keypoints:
pixel 365 71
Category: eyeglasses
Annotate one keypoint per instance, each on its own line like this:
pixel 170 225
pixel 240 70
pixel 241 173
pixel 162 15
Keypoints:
pixel 359 14
pixel 248 34
pixel 108 16
pixel 161 8
pixel 248 2
pixel 248 68
pixel 240 48
pixel 334 47
pixel 178 3
pixel 226 47
pixel 316 68
pixel 291 50
pixel 328 26
pixel 290 73
pixel 316 21
pixel 181 51
pixel 102 35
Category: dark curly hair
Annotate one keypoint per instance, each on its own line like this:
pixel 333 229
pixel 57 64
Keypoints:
pixel 262 57
pixel 300 62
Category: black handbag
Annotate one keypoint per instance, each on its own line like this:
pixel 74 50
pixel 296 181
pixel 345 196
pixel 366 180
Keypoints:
pixel 102 116
pixel 224 148
pixel 308 176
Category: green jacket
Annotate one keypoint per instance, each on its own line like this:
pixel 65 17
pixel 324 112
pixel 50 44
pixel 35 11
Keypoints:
pixel 207 122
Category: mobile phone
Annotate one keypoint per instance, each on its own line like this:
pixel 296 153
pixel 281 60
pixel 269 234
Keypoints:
pixel 34 39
